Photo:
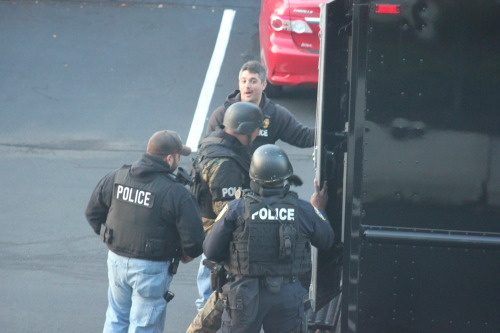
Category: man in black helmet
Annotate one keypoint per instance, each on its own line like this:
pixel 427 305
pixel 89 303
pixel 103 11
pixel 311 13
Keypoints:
pixel 278 124
pixel 221 168
pixel 263 239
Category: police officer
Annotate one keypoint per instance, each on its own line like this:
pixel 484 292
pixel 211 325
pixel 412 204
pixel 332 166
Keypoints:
pixel 264 240
pixel 278 124
pixel 221 168
pixel 148 220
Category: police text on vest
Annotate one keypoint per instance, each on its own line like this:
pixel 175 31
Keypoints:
pixel 283 214
pixel 229 191
pixel 133 195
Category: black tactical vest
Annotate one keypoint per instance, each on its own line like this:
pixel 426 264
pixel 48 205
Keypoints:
pixel 209 148
pixel 271 243
pixel 134 225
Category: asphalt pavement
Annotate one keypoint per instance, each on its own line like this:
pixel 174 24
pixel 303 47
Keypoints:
pixel 83 86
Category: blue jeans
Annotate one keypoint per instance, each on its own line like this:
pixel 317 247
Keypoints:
pixel 135 294
pixel 203 281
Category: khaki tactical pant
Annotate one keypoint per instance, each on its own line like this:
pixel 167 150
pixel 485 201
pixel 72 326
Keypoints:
pixel 209 318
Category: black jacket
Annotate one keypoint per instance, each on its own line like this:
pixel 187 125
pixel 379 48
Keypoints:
pixel 279 124
pixel 178 208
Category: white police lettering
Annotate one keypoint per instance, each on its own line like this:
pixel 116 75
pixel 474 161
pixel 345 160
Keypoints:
pixel 229 191
pixel 263 132
pixel 134 195
pixel 275 214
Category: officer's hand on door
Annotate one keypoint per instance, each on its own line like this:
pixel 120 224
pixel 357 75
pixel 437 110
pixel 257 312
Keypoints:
pixel 319 198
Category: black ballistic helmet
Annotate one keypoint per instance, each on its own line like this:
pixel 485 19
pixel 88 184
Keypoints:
pixel 270 164
pixel 243 118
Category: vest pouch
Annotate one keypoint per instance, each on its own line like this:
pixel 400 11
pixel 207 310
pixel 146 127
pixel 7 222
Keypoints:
pixel 288 235
pixel 106 234
pixel 154 247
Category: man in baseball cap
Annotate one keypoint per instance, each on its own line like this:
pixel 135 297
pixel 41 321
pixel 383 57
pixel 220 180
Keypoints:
pixel 127 210
pixel 166 142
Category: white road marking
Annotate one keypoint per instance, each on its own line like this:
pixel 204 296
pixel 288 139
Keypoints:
pixel 207 91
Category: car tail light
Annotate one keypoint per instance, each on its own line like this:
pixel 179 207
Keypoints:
pixel 283 23
pixel 387 9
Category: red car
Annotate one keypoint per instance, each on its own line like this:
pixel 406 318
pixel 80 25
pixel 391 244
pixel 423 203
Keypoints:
pixel 289 42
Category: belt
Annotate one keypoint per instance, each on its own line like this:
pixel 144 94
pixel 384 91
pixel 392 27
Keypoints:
pixel 286 279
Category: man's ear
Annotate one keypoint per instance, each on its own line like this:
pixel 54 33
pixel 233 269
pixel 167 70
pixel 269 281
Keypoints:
pixel 168 159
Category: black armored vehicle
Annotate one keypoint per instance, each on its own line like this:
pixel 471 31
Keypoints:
pixel 408 120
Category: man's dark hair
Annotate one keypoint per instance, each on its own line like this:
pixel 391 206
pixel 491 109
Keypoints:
pixel 253 66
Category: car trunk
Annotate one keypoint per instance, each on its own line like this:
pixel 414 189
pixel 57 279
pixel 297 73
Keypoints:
pixel 307 11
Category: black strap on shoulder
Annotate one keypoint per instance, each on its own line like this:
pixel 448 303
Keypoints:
pixel 209 144
pixel 122 173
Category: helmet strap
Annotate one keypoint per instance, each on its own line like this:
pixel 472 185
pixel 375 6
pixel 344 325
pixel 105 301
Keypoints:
pixel 269 191
pixel 249 140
